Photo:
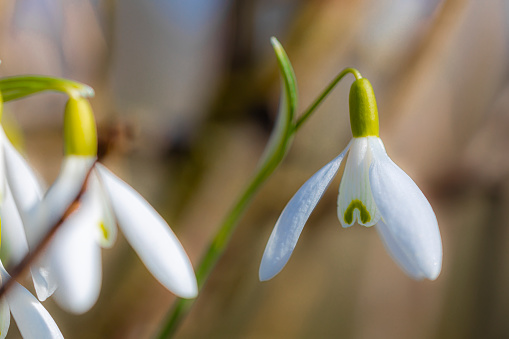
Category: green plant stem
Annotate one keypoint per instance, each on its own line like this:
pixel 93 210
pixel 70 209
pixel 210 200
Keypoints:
pixel 215 250
pixel 309 111
pixel 16 87
pixel 220 241
pixel 274 154
pixel 276 150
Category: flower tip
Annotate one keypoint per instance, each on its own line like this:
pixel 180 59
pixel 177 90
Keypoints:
pixel 433 277
pixel 429 269
pixel 188 290
pixel 430 262
pixel 433 271
pixel 76 304
pixel 262 276
pixel 269 269
pixel 44 285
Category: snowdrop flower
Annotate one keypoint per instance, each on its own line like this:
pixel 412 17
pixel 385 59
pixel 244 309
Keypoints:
pixel 14 245
pixel 71 268
pixel 32 318
pixel 374 191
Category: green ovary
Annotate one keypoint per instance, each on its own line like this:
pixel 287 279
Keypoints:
pixel 80 134
pixel 356 204
pixel 363 109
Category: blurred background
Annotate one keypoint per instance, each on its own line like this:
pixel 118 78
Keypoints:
pixel 186 96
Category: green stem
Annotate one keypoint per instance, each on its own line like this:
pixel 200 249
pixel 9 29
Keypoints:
pixel 216 249
pixel 276 150
pixel 274 154
pixel 16 87
pixel 308 112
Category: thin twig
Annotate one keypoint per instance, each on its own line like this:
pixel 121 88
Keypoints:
pixel 30 258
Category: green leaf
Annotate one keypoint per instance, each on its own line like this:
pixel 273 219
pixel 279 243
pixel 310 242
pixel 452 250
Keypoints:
pixel 280 139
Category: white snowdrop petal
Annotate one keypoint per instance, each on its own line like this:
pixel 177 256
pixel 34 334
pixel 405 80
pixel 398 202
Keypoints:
pixel 14 243
pixel 5 318
pixel 106 223
pixel 3 183
pixel 32 318
pixel 47 212
pixel 150 236
pixel 44 281
pixel 75 259
pixel 412 228
pixel 289 226
pixel 396 252
pixel 23 183
pixel 61 194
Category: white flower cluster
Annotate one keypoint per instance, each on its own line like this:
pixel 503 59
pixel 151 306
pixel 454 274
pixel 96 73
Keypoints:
pixel 69 268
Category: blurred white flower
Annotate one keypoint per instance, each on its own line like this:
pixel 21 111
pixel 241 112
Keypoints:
pixel 14 243
pixel 373 191
pixel 71 267
pixel 32 318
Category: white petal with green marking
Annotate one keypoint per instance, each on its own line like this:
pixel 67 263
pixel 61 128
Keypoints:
pixel 355 201
pixel 106 223
pixel 150 236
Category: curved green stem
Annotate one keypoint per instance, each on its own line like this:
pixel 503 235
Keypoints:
pixel 308 112
pixel 215 250
pixel 276 149
pixel 274 154
pixel 17 87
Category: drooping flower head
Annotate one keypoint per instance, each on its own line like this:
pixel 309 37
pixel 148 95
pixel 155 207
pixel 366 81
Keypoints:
pixel 71 267
pixel 374 191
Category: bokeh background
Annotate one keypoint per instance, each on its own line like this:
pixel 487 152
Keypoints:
pixel 186 96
